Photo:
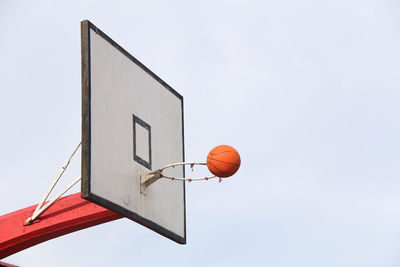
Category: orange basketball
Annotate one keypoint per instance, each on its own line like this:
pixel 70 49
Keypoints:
pixel 223 161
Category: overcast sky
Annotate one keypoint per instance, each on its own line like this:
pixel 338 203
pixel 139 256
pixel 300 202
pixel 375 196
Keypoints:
pixel 307 91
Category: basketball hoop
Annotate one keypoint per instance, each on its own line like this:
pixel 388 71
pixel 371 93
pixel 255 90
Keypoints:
pixel 153 176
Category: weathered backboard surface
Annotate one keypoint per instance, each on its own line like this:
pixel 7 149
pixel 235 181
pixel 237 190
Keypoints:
pixel 132 123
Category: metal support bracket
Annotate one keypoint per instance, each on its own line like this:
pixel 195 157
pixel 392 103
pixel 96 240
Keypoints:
pixel 149 178
pixel 41 207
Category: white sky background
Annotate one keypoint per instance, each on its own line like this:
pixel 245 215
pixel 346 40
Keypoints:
pixel 307 91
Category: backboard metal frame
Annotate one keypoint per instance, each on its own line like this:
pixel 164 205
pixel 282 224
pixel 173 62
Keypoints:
pixel 86 191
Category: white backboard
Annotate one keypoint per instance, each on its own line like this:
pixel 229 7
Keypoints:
pixel 132 123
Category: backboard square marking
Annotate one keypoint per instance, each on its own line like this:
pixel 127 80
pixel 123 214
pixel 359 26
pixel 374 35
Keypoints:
pixel 141 142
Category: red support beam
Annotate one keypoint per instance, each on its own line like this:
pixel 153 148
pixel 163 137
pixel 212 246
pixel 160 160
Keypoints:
pixel 66 215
